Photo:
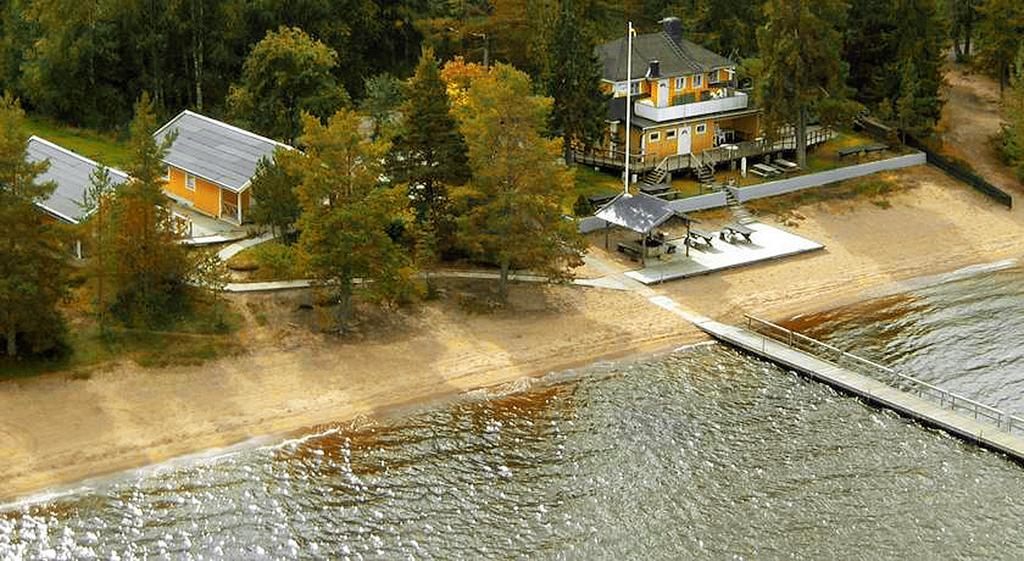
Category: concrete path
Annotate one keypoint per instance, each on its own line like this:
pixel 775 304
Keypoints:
pixel 236 248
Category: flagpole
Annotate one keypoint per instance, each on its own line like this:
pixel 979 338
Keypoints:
pixel 629 91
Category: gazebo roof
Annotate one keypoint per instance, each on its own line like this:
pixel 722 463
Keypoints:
pixel 640 213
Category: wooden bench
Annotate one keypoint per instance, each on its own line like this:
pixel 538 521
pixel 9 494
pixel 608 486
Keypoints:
pixel 865 149
pixel 732 231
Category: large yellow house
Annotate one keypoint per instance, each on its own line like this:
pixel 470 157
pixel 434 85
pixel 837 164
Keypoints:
pixel 210 165
pixel 684 98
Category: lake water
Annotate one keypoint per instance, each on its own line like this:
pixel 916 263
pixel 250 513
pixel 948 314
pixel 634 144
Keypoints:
pixel 700 454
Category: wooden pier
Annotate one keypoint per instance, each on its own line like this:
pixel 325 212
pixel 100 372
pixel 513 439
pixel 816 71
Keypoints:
pixel 956 414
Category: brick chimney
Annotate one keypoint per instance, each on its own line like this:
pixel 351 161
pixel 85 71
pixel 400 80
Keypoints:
pixel 673 27
pixel 654 69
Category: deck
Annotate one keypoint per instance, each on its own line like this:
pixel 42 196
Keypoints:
pixel 878 384
pixel 641 163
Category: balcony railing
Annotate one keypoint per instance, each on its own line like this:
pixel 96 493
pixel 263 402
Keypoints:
pixel 644 108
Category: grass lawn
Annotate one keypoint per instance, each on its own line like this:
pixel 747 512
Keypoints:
pixel 875 187
pixel 591 182
pixel 103 147
pixel 206 332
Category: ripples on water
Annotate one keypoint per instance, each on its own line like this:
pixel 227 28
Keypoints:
pixel 702 454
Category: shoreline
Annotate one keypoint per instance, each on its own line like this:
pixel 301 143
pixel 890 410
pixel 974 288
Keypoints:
pixel 127 417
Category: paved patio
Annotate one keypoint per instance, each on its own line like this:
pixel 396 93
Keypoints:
pixel 767 243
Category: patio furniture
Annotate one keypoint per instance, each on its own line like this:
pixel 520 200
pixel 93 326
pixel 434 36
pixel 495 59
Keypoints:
pixel 730 232
pixel 699 237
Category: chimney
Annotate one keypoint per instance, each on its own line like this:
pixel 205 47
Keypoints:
pixel 654 69
pixel 673 27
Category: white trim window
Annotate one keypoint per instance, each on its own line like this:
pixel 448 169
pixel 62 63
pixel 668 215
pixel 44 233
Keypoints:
pixel 698 80
pixel 681 83
pixel 670 134
pixel 167 173
pixel 634 88
pixel 702 128
pixel 190 182
pixel 655 136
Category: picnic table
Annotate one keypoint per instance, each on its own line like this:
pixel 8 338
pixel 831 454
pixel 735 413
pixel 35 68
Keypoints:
pixel 697 237
pixel 733 230
pixel 655 189
pixel 785 165
pixel 764 170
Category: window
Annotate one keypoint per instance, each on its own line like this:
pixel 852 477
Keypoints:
pixel 698 80
pixel 655 136
pixel 681 83
pixel 167 173
pixel 702 128
pixel 669 135
pixel 190 182
pixel 634 88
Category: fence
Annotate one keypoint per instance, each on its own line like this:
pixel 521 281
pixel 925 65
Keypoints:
pixel 946 399
pixel 783 186
pixel 963 173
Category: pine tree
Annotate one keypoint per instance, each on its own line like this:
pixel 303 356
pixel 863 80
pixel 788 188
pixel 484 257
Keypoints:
pixel 273 190
pixel 574 82
pixel 34 275
pixel 1012 136
pixel 151 268
pixel 803 71
pixel 97 229
pixel 728 27
pixel 346 215
pixel 429 153
pixel 513 213
pixel 1000 36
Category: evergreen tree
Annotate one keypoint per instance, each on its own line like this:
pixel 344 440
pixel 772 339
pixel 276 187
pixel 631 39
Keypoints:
pixel 273 189
pixel 1012 136
pixel 34 275
pixel 286 74
pixel 803 71
pixel 882 38
pixel 963 15
pixel 97 228
pixel 150 268
pixel 1000 36
pixel 429 154
pixel 574 82
pixel 383 96
pixel 346 215
pixel 513 213
pixel 728 27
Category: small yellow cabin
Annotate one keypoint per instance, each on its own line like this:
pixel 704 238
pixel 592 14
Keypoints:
pixel 210 165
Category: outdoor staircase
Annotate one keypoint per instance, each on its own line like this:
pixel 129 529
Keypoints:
pixel 705 175
pixel 655 177
pixel 739 212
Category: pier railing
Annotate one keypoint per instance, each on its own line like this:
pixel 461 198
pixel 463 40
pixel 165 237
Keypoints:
pixel 829 353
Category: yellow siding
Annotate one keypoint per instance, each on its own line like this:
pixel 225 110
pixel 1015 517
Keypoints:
pixel 702 141
pixel 205 198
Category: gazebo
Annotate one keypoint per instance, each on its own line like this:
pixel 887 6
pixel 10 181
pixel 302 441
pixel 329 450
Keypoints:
pixel 640 213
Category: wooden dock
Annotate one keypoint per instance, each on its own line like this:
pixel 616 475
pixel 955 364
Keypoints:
pixel 880 385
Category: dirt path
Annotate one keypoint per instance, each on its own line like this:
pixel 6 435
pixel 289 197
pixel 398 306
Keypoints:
pixel 970 118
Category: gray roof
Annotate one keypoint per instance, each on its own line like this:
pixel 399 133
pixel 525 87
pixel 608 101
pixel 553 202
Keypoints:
pixel 71 172
pixel 676 59
pixel 215 151
pixel 640 213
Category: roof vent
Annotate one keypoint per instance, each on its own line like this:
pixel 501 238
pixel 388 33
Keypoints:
pixel 673 27
pixel 654 69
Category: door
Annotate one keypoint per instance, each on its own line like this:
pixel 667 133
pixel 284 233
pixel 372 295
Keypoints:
pixel 663 100
pixel 683 140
